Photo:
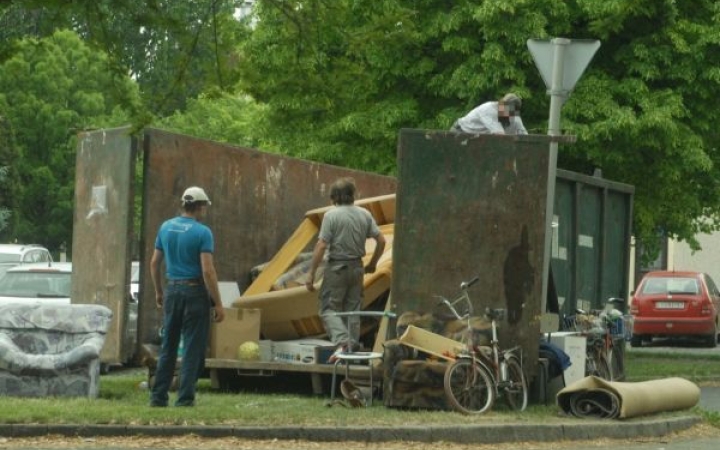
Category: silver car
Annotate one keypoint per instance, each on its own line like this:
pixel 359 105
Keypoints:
pixel 51 282
pixel 36 283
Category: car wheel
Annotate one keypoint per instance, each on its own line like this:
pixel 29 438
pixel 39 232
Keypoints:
pixel 636 340
pixel 711 339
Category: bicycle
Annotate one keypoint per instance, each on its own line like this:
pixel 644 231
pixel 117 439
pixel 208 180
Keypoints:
pixel 602 359
pixel 474 380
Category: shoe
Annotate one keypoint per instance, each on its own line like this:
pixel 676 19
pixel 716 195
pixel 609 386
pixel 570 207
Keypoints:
pixel 352 394
pixel 336 354
pixel 158 405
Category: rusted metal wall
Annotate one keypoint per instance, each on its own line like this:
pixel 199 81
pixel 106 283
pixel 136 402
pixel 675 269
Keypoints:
pixel 258 200
pixel 471 206
pixel 101 229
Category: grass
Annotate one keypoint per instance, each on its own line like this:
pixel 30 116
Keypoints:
pixel 121 401
pixel 699 368
pixel 268 402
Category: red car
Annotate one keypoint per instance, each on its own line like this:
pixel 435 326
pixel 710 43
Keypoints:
pixel 675 304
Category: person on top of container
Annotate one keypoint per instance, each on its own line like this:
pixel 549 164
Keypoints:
pixel 500 117
pixel 191 291
pixel 343 233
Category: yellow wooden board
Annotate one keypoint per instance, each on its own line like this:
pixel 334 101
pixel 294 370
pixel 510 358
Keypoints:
pixel 284 258
pixel 431 343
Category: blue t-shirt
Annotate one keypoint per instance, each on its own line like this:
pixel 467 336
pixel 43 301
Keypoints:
pixel 181 240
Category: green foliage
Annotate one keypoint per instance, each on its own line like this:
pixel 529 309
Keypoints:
pixel 50 89
pixel 334 81
pixel 340 78
pixel 173 49
pixel 641 112
pixel 223 117
pixel 9 182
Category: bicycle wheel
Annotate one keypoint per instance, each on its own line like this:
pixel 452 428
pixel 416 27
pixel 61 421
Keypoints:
pixel 616 364
pixel 469 387
pixel 596 365
pixel 516 391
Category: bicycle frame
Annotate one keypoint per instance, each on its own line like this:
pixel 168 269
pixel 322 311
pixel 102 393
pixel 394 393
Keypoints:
pixel 602 359
pixel 496 364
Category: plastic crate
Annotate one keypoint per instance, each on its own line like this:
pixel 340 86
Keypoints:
pixel 616 327
pixel 583 323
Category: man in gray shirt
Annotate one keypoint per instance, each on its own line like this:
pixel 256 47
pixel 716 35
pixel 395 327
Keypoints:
pixel 343 233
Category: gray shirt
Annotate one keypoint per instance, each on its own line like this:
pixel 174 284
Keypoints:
pixel 345 228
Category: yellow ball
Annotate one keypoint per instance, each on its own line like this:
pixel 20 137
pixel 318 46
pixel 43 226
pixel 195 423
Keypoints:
pixel 249 351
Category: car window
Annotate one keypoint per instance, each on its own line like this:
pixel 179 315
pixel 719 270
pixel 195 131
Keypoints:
pixel 655 286
pixel 36 256
pixel 35 284
pixel 671 285
pixel 43 256
pixel 712 287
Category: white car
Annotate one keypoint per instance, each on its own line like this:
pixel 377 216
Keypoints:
pixel 12 255
pixel 36 283
pixel 134 280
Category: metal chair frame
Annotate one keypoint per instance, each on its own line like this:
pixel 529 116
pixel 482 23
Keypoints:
pixel 357 358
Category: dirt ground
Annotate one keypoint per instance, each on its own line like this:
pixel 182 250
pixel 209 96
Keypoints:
pixel 195 443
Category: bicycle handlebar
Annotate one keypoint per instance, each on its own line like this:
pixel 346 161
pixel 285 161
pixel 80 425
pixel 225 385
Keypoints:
pixel 466 284
pixel 464 296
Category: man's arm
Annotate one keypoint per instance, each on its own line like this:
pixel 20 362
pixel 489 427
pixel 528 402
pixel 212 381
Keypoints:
pixel 379 248
pixel 488 118
pixel 520 126
pixel 317 257
pixel 211 284
pixel 155 263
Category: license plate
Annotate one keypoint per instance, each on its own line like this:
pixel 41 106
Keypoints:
pixel 669 305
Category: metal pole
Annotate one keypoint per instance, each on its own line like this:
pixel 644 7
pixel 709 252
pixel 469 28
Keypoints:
pixel 557 98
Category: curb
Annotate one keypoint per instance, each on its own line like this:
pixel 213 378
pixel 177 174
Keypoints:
pixel 466 434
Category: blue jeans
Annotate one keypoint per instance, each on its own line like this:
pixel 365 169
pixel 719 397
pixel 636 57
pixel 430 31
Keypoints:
pixel 186 313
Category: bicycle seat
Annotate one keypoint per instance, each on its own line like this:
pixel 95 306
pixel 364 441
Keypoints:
pixel 495 313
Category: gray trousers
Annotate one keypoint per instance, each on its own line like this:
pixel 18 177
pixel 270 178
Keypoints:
pixel 342 291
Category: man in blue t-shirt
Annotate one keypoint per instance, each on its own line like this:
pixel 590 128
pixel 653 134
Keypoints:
pixel 343 233
pixel 191 291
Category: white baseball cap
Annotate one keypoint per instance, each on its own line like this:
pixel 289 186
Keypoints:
pixel 195 194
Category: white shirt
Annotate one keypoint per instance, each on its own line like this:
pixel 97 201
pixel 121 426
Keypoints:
pixel 484 120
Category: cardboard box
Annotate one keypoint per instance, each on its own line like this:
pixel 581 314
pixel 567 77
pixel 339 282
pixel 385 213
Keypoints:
pixel 240 325
pixel 303 351
pixel 266 350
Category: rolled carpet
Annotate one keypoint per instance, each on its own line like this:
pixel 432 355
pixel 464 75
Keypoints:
pixel 597 398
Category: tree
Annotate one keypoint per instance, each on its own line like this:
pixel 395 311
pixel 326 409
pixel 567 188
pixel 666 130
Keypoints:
pixel 224 117
pixel 173 49
pixel 340 78
pixel 9 180
pixel 50 89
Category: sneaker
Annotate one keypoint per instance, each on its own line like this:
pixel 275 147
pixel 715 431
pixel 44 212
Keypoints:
pixel 336 354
